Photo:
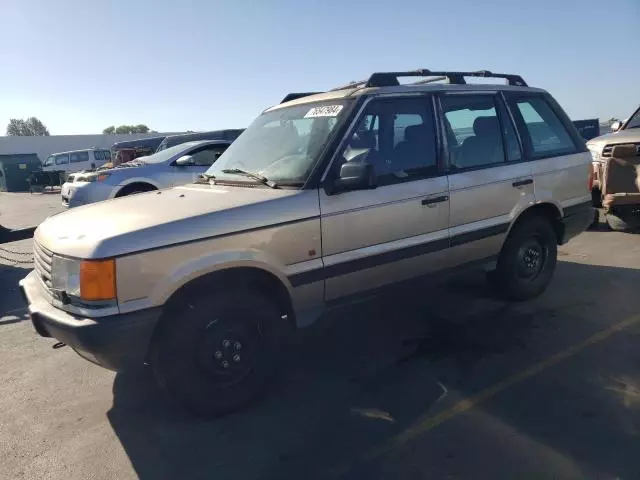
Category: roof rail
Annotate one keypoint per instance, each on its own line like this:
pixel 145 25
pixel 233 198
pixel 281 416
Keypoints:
pixel 390 79
pixel 294 96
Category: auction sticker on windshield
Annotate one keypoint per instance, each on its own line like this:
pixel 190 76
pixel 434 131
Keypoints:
pixel 324 111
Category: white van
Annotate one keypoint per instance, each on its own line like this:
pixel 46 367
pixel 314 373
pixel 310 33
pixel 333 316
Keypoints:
pixel 76 160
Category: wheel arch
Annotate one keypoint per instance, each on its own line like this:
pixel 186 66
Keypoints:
pixel 547 210
pixel 238 277
pixel 134 184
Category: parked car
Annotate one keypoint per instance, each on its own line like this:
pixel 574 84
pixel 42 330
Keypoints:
pixel 621 188
pixel 322 199
pixel 76 160
pixel 626 132
pixel 174 166
pixel 173 140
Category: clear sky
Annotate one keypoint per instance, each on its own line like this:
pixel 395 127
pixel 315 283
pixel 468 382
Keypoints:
pixel 82 65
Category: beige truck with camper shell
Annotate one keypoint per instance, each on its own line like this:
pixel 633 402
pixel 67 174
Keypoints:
pixel 324 197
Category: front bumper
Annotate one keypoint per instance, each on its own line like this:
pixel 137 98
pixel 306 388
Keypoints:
pixel 577 219
pixel 84 193
pixel 117 342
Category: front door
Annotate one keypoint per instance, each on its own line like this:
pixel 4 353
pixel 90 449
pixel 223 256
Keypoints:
pixel 399 229
pixel 202 158
pixel 489 183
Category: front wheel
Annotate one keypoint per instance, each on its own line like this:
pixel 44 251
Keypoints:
pixel 528 259
pixel 215 352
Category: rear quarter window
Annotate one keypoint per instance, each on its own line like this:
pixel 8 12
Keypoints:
pixel 542 128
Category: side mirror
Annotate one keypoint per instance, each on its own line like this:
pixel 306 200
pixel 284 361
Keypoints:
pixel 355 176
pixel 615 126
pixel 184 161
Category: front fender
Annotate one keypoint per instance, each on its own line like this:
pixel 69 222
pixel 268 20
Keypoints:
pixel 156 281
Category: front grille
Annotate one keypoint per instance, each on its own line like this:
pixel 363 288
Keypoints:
pixel 42 259
pixel 606 151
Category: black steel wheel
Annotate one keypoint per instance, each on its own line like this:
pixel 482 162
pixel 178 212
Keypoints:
pixel 528 259
pixel 214 353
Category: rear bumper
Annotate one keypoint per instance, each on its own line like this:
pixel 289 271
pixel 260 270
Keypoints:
pixel 576 220
pixel 116 342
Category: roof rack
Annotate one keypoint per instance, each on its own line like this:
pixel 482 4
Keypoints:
pixel 293 96
pixel 357 84
pixel 390 79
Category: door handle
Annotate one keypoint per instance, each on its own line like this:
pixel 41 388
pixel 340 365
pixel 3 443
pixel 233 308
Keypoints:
pixel 434 200
pixel 522 183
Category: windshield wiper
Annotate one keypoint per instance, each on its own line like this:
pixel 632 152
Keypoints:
pixel 205 178
pixel 256 176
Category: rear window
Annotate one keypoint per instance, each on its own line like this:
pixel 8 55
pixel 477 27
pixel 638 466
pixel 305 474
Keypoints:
pixel 79 157
pixel 102 155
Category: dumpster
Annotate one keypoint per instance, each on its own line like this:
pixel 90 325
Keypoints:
pixel 15 171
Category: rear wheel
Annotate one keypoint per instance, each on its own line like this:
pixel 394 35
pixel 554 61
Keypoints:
pixel 528 259
pixel 215 353
pixel 596 220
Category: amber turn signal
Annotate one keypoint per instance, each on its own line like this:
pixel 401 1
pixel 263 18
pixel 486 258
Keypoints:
pixel 98 280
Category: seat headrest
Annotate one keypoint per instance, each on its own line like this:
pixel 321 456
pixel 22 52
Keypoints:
pixel 485 126
pixel 415 133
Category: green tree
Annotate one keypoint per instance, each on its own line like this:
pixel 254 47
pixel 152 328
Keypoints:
pixel 31 127
pixel 140 128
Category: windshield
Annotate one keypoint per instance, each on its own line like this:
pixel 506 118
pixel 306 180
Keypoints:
pixel 634 121
pixel 167 153
pixel 282 145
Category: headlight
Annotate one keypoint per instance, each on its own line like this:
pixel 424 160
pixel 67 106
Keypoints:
pixel 94 178
pixel 86 279
pixel 595 155
pixel 65 275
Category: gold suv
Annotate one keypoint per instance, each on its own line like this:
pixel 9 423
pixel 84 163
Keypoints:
pixel 323 198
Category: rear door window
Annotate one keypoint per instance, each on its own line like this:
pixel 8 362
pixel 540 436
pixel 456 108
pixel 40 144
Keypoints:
pixel 474 131
pixel 544 132
pixel 79 157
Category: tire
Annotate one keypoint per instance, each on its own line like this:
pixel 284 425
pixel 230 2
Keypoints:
pixel 242 328
pixel 618 224
pixel 596 198
pixel 596 220
pixel 528 259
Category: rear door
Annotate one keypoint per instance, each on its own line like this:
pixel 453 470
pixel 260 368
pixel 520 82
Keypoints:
pixel 557 155
pixel 489 181
pixel 398 230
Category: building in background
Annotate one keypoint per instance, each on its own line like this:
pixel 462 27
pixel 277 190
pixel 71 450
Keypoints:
pixel 44 146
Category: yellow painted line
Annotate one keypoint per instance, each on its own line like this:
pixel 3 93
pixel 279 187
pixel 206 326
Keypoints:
pixel 462 406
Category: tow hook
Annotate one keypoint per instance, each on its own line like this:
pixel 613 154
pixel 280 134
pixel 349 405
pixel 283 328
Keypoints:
pixel 59 345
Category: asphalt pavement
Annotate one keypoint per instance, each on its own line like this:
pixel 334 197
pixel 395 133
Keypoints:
pixel 435 380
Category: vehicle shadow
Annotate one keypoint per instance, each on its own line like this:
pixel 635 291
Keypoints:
pixel 11 304
pixel 372 372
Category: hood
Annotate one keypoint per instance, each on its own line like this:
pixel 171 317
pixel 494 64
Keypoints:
pixel 164 217
pixel 631 135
